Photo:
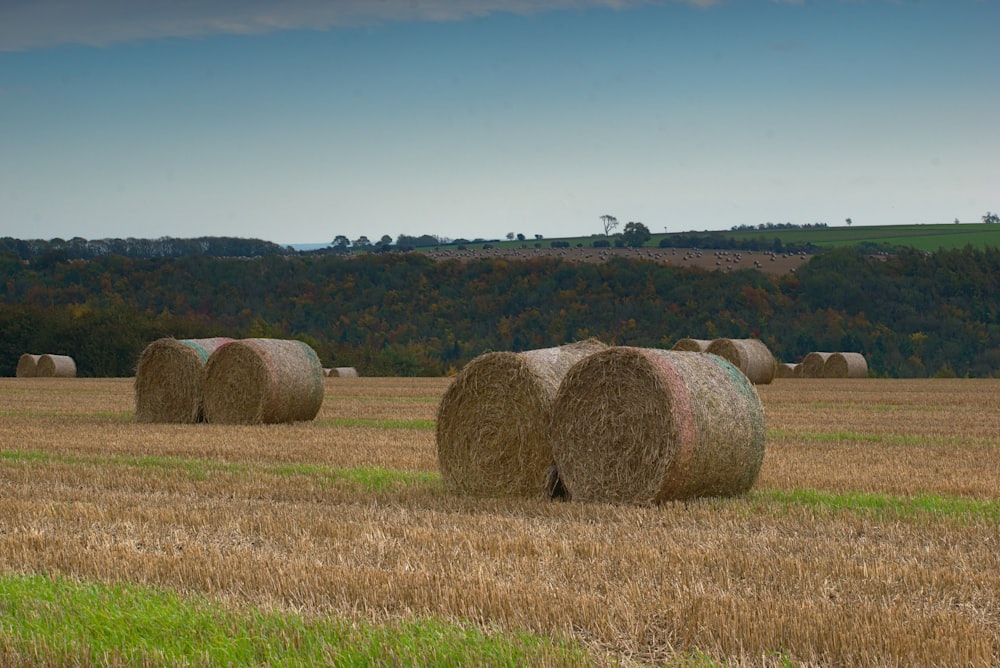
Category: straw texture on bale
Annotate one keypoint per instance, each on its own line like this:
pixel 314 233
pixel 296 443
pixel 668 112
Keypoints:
pixel 343 372
pixel 750 356
pixel 692 345
pixel 56 366
pixel 27 366
pixel 846 365
pixel 788 370
pixel 170 379
pixel 254 381
pixel 638 425
pixel 813 363
pixel 492 422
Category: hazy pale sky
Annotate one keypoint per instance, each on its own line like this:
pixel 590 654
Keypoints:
pixel 300 120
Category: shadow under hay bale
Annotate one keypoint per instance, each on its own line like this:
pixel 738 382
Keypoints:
pixel 788 370
pixel 170 379
pixel 813 363
pixel 846 365
pixel 638 425
pixel 263 381
pixel 492 422
pixel 692 345
pixel 750 356
pixel 343 372
pixel 27 366
pixel 56 366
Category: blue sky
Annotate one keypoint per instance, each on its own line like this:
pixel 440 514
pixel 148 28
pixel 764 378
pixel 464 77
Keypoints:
pixel 302 120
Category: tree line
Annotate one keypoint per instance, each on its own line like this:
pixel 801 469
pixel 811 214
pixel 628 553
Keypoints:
pixel 911 313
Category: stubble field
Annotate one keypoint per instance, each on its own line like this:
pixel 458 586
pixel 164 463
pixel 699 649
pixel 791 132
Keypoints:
pixel 872 536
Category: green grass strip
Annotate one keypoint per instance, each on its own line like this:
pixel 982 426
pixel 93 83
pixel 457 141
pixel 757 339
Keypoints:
pixel 61 621
pixel 887 505
pixel 856 437
pixel 372 479
pixel 379 424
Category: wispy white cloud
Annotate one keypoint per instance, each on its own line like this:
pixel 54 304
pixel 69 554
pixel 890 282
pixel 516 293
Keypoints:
pixel 29 24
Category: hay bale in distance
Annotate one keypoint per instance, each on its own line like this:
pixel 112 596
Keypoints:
pixel 639 425
pixel 255 381
pixel 813 363
pixel 788 370
pixel 846 365
pixel 56 366
pixel 750 356
pixel 692 345
pixel 492 422
pixel 27 366
pixel 343 372
pixel 170 379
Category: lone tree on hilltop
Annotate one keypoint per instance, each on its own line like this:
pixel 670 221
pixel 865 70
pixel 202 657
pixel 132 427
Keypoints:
pixel 610 223
pixel 636 234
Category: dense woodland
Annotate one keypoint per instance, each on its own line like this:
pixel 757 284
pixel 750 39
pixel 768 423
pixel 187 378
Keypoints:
pixel 911 313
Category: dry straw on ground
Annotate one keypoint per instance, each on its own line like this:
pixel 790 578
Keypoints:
pixel 56 366
pixel 343 372
pixel 692 345
pixel 492 422
pixel 638 425
pixel 750 356
pixel 255 381
pixel 846 365
pixel 813 363
pixel 170 379
pixel 27 366
pixel 788 370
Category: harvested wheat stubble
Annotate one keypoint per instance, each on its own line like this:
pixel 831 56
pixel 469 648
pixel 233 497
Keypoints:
pixel 813 363
pixel 692 345
pixel 492 422
pixel 170 379
pixel 638 425
pixel 343 372
pixel 56 366
pixel 846 365
pixel 750 356
pixel 255 381
pixel 27 366
pixel 788 370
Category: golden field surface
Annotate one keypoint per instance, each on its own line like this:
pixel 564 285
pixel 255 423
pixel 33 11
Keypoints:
pixel 872 536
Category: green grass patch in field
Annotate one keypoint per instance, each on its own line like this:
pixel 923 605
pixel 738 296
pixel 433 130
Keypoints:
pixel 370 479
pixel 856 437
pixel 61 621
pixel 120 416
pixel 885 504
pixel 374 423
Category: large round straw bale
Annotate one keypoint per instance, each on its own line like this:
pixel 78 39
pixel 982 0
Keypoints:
pixel 170 379
pixel 343 372
pixel 788 370
pixel 255 381
pixel 813 363
pixel 751 356
pixel 56 366
pixel 846 365
pixel 692 345
pixel 492 421
pixel 27 366
pixel 638 425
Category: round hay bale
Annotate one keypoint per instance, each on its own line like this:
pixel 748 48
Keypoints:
pixel 27 366
pixel 788 370
pixel 846 365
pixel 638 425
pixel 692 345
pixel 492 422
pixel 170 379
pixel 750 356
pixel 263 381
pixel 343 372
pixel 813 363
pixel 55 366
